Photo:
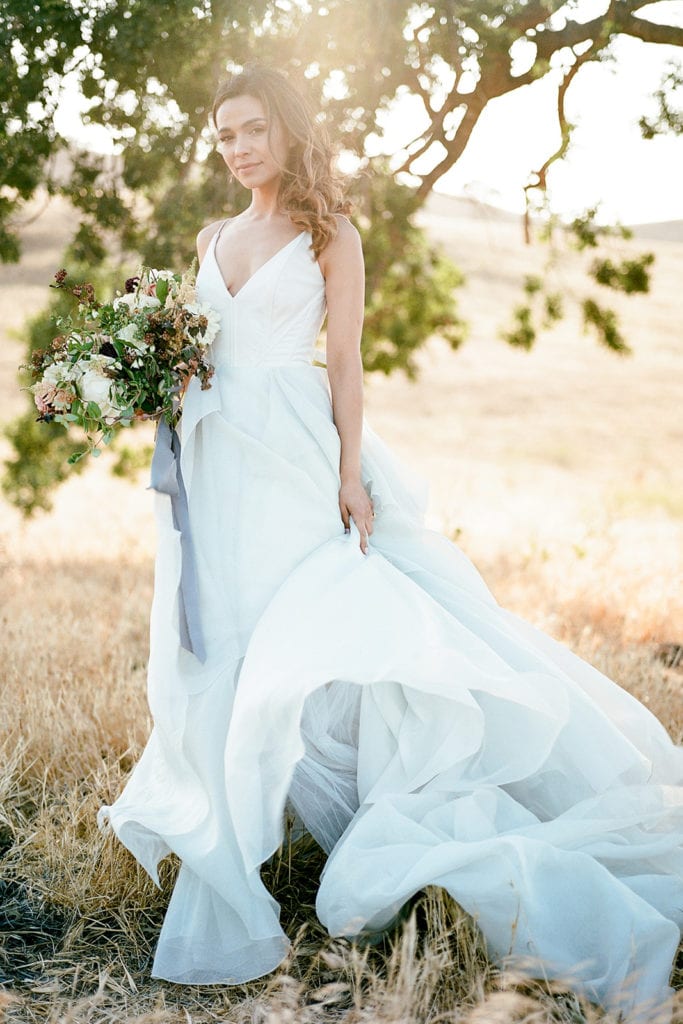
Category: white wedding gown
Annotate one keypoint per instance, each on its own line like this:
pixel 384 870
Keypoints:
pixel 423 734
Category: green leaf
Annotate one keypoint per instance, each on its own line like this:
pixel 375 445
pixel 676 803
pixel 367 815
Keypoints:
pixel 162 291
pixel 606 325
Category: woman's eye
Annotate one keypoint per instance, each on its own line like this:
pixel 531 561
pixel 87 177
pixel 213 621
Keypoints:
pixel 231 138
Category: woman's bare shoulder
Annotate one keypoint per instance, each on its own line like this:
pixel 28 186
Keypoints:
pixel 205 235
pixel 344 248
pixel 345 227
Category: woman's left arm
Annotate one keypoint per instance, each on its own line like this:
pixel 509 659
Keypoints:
pixel 343 268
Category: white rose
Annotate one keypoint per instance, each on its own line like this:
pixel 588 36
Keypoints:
pixel 136 302
pixel 94 386
pixel 129 334
pixel 213 319
pixel 55 373
pixel 95 363
pixel 63 372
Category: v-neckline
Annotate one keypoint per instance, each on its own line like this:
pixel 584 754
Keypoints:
pixel 258 269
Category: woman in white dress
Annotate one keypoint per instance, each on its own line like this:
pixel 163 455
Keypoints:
pixel 345 658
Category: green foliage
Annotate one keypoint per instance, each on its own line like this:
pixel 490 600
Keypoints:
pixel 628 276
pixel 605 324
pixel 43 454
pixel 523 332
pixel 36 41
pixel 543 309
pixel 532 284
pixel 669 117
pixel 586 233
pixel 553 308
pixel 409 285
pixel 131 460
pixel 39 463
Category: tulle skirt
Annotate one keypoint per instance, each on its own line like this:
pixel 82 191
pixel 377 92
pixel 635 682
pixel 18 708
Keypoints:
pixel 423 734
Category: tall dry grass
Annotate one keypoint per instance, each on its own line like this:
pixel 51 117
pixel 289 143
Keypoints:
pixel 81 917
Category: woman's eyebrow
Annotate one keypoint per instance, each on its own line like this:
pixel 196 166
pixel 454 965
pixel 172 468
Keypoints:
pixel 251 120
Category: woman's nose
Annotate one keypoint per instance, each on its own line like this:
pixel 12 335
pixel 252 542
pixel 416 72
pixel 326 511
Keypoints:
pixel 242 144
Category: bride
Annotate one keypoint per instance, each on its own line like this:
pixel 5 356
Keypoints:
pixel 312 642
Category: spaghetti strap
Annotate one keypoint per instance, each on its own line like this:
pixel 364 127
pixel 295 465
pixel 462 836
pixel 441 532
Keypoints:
pixel 217 235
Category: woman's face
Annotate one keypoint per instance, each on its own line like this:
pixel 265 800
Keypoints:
pixel 242 129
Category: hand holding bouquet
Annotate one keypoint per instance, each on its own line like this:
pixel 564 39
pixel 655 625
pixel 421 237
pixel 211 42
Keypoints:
pixel 127 359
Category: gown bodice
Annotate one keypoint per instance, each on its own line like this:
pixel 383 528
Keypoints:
pixel 275 318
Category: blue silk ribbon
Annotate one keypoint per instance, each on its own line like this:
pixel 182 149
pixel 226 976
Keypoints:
pixel 166 478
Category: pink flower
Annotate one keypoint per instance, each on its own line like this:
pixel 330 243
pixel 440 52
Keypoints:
pixel 63 398
pixel 43 393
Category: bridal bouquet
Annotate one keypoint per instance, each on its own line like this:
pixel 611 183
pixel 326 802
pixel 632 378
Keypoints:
pixel 126 359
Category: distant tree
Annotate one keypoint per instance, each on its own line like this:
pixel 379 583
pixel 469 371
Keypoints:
pixel 37 43
pixel 148 69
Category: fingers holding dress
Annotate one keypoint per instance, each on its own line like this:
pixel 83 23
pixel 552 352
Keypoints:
pixel 355 504
pixel 364 530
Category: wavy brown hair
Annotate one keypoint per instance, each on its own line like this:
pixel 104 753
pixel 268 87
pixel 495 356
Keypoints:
pixel 311 190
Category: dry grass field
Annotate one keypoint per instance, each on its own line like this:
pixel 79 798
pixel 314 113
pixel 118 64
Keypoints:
pixel 558 471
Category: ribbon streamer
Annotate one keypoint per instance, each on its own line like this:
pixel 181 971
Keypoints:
pixel 166 478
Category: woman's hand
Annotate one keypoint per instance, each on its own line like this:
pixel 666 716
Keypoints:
pixel 355 504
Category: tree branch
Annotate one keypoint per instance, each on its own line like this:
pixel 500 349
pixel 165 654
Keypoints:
pixel 434 133
pixel 548 41
pixel 428 137
pixel 454 148
pixel 650 32
pixel 496 79
pixel 412 77
pixel 565 131
pixel 535 13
